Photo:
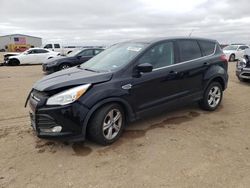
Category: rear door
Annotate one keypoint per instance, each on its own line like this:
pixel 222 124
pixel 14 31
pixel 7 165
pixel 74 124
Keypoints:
pixel 41 55
pixel 192 64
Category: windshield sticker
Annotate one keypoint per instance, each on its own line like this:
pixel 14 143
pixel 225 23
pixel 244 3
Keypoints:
pixel 135 49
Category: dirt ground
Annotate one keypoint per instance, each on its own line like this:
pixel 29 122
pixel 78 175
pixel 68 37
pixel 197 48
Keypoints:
pixel 184 148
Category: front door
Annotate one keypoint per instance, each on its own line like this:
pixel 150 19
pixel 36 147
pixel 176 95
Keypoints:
pixel 162 84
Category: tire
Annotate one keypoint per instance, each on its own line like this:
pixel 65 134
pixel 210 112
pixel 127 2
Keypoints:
pixel 14 62
pixel 64 66
pixel 212 97
pixel 232 58
pixel 242 79
pixel 104 130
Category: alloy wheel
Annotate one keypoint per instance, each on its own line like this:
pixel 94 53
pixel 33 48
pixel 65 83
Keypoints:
pixel 214 96
pixel 112 124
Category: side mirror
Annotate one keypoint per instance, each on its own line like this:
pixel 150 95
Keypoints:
pixel 145 67
pixel 79 57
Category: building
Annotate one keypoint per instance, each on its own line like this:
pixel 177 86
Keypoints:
pixel 19 42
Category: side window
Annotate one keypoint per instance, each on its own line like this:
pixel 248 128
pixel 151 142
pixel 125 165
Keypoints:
pixel 57 45
pixel 243 47
pixel 189 49
pixel 207 47
pixel 31 52
pixel 97 51
pixel 40 51
pixel 48 46
pixel 86 53
pixel 159 56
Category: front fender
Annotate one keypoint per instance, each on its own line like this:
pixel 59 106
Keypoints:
pixel 130 115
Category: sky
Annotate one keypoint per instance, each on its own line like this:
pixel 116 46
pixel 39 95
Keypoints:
pixel 100 22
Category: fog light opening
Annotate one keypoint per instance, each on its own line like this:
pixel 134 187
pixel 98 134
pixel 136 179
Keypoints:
pixel 56 129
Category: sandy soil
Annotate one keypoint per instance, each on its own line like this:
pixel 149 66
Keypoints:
pixel 1 57
pixel 184 148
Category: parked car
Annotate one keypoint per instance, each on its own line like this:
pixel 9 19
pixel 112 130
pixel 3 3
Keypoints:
pixel 124 83
pixel 235 51
pixel 74 58
pixel 31 56
pixel 243 67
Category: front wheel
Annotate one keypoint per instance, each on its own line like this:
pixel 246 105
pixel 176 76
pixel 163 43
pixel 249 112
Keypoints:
pixel 212 97
pixel 64 66
pixel 107 124
pixel 232 58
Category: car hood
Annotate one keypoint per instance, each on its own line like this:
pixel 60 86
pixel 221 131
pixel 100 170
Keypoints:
pixel 70 77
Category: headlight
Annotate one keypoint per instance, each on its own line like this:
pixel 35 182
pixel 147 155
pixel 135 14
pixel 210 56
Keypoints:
pixel 242 63
pixel 52 63
pixel 68 96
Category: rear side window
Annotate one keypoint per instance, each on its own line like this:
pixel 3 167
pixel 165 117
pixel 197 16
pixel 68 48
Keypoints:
pixel 189 49
pixel 207 47
pixel 86 53
pixel 97 51
pixel 57 45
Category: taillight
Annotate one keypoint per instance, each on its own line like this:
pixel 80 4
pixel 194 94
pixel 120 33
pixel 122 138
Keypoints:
pixel 223 58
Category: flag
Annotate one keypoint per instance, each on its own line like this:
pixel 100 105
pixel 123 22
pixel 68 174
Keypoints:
pixel 20 40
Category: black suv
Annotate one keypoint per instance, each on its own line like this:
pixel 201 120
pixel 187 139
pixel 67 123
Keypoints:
pixel 72 59
pixel 124 83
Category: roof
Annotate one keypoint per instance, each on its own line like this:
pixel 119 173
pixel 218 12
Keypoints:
pixel 158 39
pixel 21 35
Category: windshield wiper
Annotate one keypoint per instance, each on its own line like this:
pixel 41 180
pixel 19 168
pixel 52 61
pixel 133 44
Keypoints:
pixel 90 70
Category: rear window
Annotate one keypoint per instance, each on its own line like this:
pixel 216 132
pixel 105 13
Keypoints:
pixel 57 45
pixel 189 49
pixel 207 47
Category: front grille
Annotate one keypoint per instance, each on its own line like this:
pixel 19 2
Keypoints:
pixel 45 121
pixel 246 74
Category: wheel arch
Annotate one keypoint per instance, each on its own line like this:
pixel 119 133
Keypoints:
pixel 14 59
pixel 218 74
pixel 129 113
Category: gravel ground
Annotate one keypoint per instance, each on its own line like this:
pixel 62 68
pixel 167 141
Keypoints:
pixel 183 148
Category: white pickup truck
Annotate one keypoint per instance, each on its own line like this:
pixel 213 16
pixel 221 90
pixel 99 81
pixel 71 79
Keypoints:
pixel 63 50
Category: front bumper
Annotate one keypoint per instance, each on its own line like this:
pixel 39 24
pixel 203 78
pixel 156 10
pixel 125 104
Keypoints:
pixel 69 117
pixel 48 69
pixel 243 73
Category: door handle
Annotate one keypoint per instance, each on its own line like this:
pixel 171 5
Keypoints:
pixel 172 73
pixel 206 64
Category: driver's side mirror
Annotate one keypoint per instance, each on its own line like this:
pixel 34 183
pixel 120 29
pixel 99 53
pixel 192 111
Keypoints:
pixel 79 57
pixel 145 67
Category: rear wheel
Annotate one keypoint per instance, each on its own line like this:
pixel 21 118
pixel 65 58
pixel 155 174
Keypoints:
pixel 232 58
pixel 107 124
pixel 212 97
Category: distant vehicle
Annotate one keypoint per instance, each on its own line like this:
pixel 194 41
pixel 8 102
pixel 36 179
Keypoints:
pixel 235 51
pixel 127 81
pixel 59 48
pixel 76 57
pixel 31 56
pixel 243 67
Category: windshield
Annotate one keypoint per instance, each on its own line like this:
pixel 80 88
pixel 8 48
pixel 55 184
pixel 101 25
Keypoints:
pixel 74 53
pixel 231 47
pixel 114 57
